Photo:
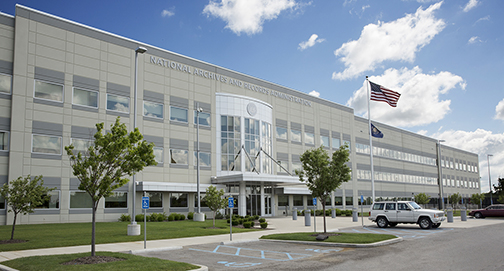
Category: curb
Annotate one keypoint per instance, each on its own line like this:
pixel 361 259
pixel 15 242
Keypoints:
pixel 6 268
pixel 239 241
pixel 330 244
pixel 134 252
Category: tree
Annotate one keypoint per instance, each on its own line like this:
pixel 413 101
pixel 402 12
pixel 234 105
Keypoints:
pixel 108 163
pixel 477 199
pixel 23 195
pixel 422 198
pixel 215 200
pixel 499 190
pixel 455 199
pixel 323 175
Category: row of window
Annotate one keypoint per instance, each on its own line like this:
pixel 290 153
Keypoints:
pixel 297 200
pixel 393 154
pixel 82 200
pixel 90 98
pixel 396 177
pixel 309 138
pixel 459 166
pixel 460 183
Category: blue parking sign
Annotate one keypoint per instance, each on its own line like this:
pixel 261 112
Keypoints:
pixel 314 201
pixel 230 202
pixel 145 202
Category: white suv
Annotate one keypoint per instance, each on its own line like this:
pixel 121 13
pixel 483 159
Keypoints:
pixel 390 213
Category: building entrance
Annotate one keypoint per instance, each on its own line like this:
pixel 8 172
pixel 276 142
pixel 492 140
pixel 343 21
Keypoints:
pixel 254 200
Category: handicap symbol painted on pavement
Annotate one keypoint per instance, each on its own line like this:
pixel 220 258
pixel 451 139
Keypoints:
pixel 238 265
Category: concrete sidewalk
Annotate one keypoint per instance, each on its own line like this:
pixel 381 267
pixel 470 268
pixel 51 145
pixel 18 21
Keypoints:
pixel 275 225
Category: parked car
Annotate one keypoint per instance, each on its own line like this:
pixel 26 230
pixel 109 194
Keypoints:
pixel 492 210
pixel 390 213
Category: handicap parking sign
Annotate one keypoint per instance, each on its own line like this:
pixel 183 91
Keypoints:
pixel 145 202
pixel 230 202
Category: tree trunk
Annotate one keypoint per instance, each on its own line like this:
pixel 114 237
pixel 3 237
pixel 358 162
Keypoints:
pixel 214 212
pixel 13 226
pixel 93 231
pixel 323 209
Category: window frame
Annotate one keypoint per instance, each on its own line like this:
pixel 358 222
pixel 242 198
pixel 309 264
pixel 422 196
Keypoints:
pixel 88 90
pixel 179 194
pixel 176 120
pixel 116 95
pixel 8 141
pixel 78 208
pixel 121 207
pixel 209 117
pixel 57 204
pixel 50 83
pixel 10 90
pixel 187 157
pixel 202 152
pixel 45 153
pixel 162 154
pixel 154 117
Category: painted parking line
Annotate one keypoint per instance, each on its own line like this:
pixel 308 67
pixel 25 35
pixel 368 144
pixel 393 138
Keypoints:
pixel 255 253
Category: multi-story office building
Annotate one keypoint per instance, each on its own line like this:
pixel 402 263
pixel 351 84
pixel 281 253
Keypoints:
pixel 59 78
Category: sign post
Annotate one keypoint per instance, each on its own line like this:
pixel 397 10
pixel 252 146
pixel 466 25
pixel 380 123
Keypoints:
pixel 315 214
pixel 230 205
pixel 145 206
pixel 362 209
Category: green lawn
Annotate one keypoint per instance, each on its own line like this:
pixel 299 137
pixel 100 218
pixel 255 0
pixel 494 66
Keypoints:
pixel 73 234
pixel 342 237
pixel 131 262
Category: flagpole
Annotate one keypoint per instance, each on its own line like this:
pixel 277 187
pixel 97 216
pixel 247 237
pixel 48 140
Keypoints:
pixel 370 141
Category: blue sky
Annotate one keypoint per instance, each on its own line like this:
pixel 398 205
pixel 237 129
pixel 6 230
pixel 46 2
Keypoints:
pixel 444 57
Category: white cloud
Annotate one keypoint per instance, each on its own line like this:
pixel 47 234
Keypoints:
pixel 310 42
pixel 481 142
pixel 473 40
pixel 167 13
pixel 398 40
pixel 420 102
pixel 486 18
pixel 499 111
pixel 247 16
pixel 470 5
pixel 365 7
pixel 314 93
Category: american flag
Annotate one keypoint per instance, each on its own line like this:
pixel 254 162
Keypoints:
pixel 381 94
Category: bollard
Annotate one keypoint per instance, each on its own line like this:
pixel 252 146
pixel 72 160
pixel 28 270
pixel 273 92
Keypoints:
pixel 307 218
pixel 450 215
pixel 355 215
pixel 333 213
pixel 294 214
pixel 463 214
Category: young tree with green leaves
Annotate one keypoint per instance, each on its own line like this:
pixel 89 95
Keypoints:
pixel 477 199
pixel 215 200
pixel 23 195
pixel 323 175
pixel 422 198
pixel 455 199
pixel 109 162
pixel 499 190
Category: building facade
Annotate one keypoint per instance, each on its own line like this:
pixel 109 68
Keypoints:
pixel 59 78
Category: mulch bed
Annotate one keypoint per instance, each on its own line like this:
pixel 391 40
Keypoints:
pixel 93 260
pixel 13 241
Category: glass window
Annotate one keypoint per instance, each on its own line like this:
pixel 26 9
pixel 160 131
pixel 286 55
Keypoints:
pixel 378 206
pixel 283 200
pixel 204 159
pixel 155 199
pixel 80 199
pixel 153 110
pixel 46 144
pixel 158 154
pixel 309 138
pixel 85 97
pixel 390 206
pixel 324 141
pixel 51 202
pixel 338 200
pixel 178 200
pixel 335 143
pixel 203 201
pixel 230 143
pixel 117 103
pixel 82 145
pixel 296 165
pixel 285 165
pixel 48 91
pixel 4 141
pixel 2 203
pixel 204 118
pixel 298 200
pixel 281 133
pixel 295 135
pixel 178 114
pixel 349 200
pixel 117 200
pixel 179 157
pixel 5 83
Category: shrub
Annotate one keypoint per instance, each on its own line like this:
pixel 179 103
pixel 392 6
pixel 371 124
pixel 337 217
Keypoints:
pixel 264 225
pixel 228 220
pixel 235 222
pixel 139 218
pixel 218 215
pixel 171 217
pixel 328 212
pixel 176 216
pixel 348 212
pixel 240 221
pixel 153 217
pixel 181 217
pixel 338 212
pixel 262 219
pixel 125 218
pixel 256 217
pixel 190 215
pixel 247 224
pixel 252 223
pixel 319 212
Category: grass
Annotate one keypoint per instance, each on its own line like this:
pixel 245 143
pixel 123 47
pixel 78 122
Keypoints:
pixel 131 262
pixel 348 238
pixel 73 234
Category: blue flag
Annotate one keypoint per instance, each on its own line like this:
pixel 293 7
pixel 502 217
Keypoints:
pixel 375 132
